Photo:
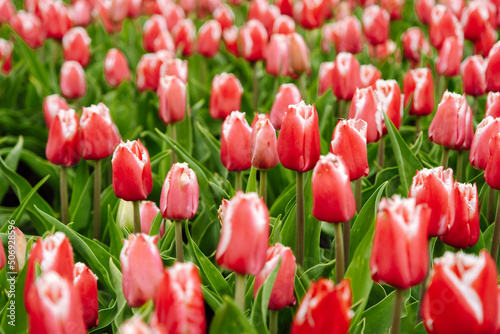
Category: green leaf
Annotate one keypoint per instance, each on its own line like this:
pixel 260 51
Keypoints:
pixel 229 319
pixel 155 224
pixel 81 200
pixel 11 161
pixel 115 235
pixel 214 146
pixel 259 310
pixel 252 181
pixel 378 318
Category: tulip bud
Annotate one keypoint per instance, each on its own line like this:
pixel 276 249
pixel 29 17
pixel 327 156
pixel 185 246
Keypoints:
pixel 389 95
pixel 6 48
pixel 180 193
pixel 222 210
pixel 492 77
pixel 225 16
pixel 282 292
pixel 54 306
pixel 423 9
pixel 7 11
pixel 382 52
pixel 142 268
pixel 443 25
pixel 283 24
pixel 230 37
pixel 184 35
pixel 299 54
pixel 116 68
pixel 99 134
pixel 148 72
pixel 473 75
pixel 111 22
pixel 448 126
pixel 285 6
pixel 263 12
pixel 246 222
pixel 309 14
pixel 328 205
pixel 464 232
pixel 164 41
pixel 462 287
pixel 55 18
pixel 252 41
pixel 394 8
pixel 491 174
pixel 152 29
pixel 418 87
pixel 29 28
pixel 299 141
pixel 135 325
pixel 76 46
pixel 366 105
pixel 287 94
pixel 450 57
pixel 209 37
pixel 134 8
pixel 81 13
pixel 125 215
pixel 17 237
pixel 277 56
pixel 148 211
pixel 480 149
pixel 486 41
pixel 369 74
pixel 325 308
pixel 235 142
pixel 434 187
pixel 402 224
pixel 263 145
pixel 176 67
pixel 475 16
pixel 493 105
pixel 347 35
pixel 51 106
pixel 349 143
pixel 225 96
pixel 172 13
pixel 376 24
pixel 73 82
pixel 179 301
pixel 346 74
pixel 132 177
pixel 414 44
pixel 172 96
pixel 85 283
pixel 63 145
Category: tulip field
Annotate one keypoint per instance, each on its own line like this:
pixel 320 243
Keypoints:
pixel 261 166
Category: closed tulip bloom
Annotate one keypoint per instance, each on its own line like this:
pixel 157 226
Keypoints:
pixel 235 142
pixel 480 150
pixel 325 77
pixel 29 28
pixel 225 96
pixel 73 82
pixel 76 46
pixel 469 131
pixel 142 268
pixel 464 232
pixel 443 25
pixel 473 75
pixel 176 67
pixel 55 18
pixel 402 224
pixel 180 193
pixel 246 222
pixel 179 302
pixel 394 8
pixel 85 283
pixel 63 145
pixel 492 174
pixel 225 16
pixel 132 177
pixel 172 96
pixel 366 105
pixel 164 41
pixel 278 56
pixel 450 57
pixel 106 9
pixel 184 35
pixel 492 105
pixel 382 52
pixel 263 145
pixel 148 72
pixel 456 6
pixel 252 41
pixel 309 13
pixel 346 76
pixel 6 48
pixel 116 68
pixel 299 54
pixel 285 6
pixel 345 35
pixel 283 24
pixel 230 38
pixel 7 11
pixel 389 95
pixel 418 87
pixel 134 8
pixel 299 142
pixel 209 37
pixel 486 41
pixel 325 308
pixel 171 12
pixel 282 292
pixel 423 9
pixel 262 11
pixel 54 306
pixel 434 187
pixel 151 30
pixel 287 94
pixel 448 126
pixel 99 134
pixel 376 24
pixel 332 206
pixel 414 44
pixel 17 264
pixel 51 106
pixel 492 77
pixel 475 16
pixel 462 287
pixel 149 210
pixel 369 75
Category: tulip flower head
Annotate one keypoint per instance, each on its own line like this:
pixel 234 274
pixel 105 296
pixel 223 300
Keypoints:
pixel 180 193
pixel 73 82
pixel 480 148
pixel 263 145
pixel 225 96
pixel 116 68
pixel 235 142
pixel 85 283
pixel 51 106
pixel 63 146
pixel 366 105
pixel 172 95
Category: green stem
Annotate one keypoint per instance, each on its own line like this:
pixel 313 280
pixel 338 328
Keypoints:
pixel 273 322
pixel 162 167
pixel 303 87
pixel 490 210
pixel 444 158
pixel 263 185
pixel 239 291
pixel 173 135
pixel 203 70
pixel 339 253
pixel 417 127
pixel 496 234
pixel 238 182
pixel 97 199
pixel 64 195
pixel 255 92
pixel 460 166
pixel 347 243
pixel 357 194
pixel 299 233
pixel 396 312
pixel 179 247
pixel 423 286
pixel 340 108
pixel 137 217
pixel 381 152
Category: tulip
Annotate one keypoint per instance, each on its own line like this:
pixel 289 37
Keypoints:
pixel 55 18
pixel 106 10
pixel 382 52
pixel 134 8
pixel 73 82
pixel 345 35
pixel 475 16
pixel 325 77
pixel 423 9
pixel 469 132
pixel 376 24
pixel 486 41
pixel 85 283
pixel 443 25
pixel 7 11
pixel 491 174
pixel 455 6
pixel 54 306
pixel 184 35
pixel 309 14
pixel 450 57
pixel 394 8
pixel 285 6
pixel 473 75
pixel 6 48
pixel 434 187
pixel 299 54
pixel 179 301
pixel 29 28
pixel 176 67
pixel 151 30
pixel 116 68
pixel 76 46
pixel 367 106
pixel 164 41
pixel 278 56
pixel 479 151
pixel 283 24
pixel 17 264
pixel 225 96
pixel 346 76
pixel 262 11
pixel 209 37
pixel 492 105
pixel 51 106
pixel 414 44
pixel 172 96
pixel 389 95
pixel 252 41
pixel 418 87
pixel 465 230
pixel 148 72
pixel 454 279
pixel 172 13
pixel 492 80
pixel 325 308
pixel 287 94
pixel 135 325
pixel 3 258
pixel 149 210
pixel 369 74
pixel 63 144
pixel 225 16
pixel 230 37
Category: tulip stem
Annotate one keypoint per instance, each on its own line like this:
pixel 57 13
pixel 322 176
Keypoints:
pixel 460 167
pixel 496 234
pixel 263 185
pixel 422 286
pixel 299 233
pixel 444 158
pixel 179 248
pixel 173 135
pixel 339 253
pixel 238 182
pixel 64 195
pixel 381 153
pixel 417 128
pixel 357 194
pixel 490 210
pixel 239 291
pixel 137 217
pixel 273 322
pixel 396 312
pixel 255 92
pixel 347 243
pixel 97 199
pixel 302 87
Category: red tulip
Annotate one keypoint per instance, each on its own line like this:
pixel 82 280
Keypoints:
pixel 176 67
pixel 473 75
pixel 491 174
pixel 76 46
pixel 55 19
pixel 63 145
pixel 346 35
pixel 450 57
pixel 309 14
pixel 287 94
pixel 475 16
pixel 414 43
pixel 180 193
pixel 3 258
pixel 132 178
pixel 172 13
pixel 434 187
pixel 376 24
pixel 394 8
pixel 209 37
pixel 469 131
pixel 282 292
pixel 325 308
pixel 116 68
pixel 230 37
pixel 172 96
pixel 18 259
pixel 263 145
pixel 184 35
pixel 400 230
pixel 134 8
pixel 148 211
pixel 85 283
pixel 148 72
pixel 225 16
pixel 142 268
pixel 7 11
pixel 73 82
pixel 462 295
pixel 299 141
pixel 153 27
pixel 346 76
pixel 443 25
pixel 464 232
pixel 277 56
pixel 299 54
pixel 225 96
pixel 423 9
pixel 235 142
pixel 252 41
pixel 179 302
pixel 486 41
pixel 448 126
pixel 455 6
pixel 283 24
pixel 135 325
pixel 285 6
pixel 111 22
pixel 492 77
pixel 29 28
pixel 164 41
pixel 418 87
pixel 492 105
pixel 480 150
pixel 6 48
pixel 389 95
pixel 246 222
pixel 382 52
pixel 99 134
pixel 262 11
pixel 369 75
pixel 51 106
pixel 367 106
pixel 54 306
pixel 325 77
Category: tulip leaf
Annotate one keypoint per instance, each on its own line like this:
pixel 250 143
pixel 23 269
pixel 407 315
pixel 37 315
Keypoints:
pixel 20 315
pixel 156 224
pixel 37 70
pixel 214 146
pixel 106 317
pixel 259 310
pixel 252 180
pixel 81 200
pixel 11 161
pixel 115 235
pixel 378 317
pixel 211 298
pixel 229 319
